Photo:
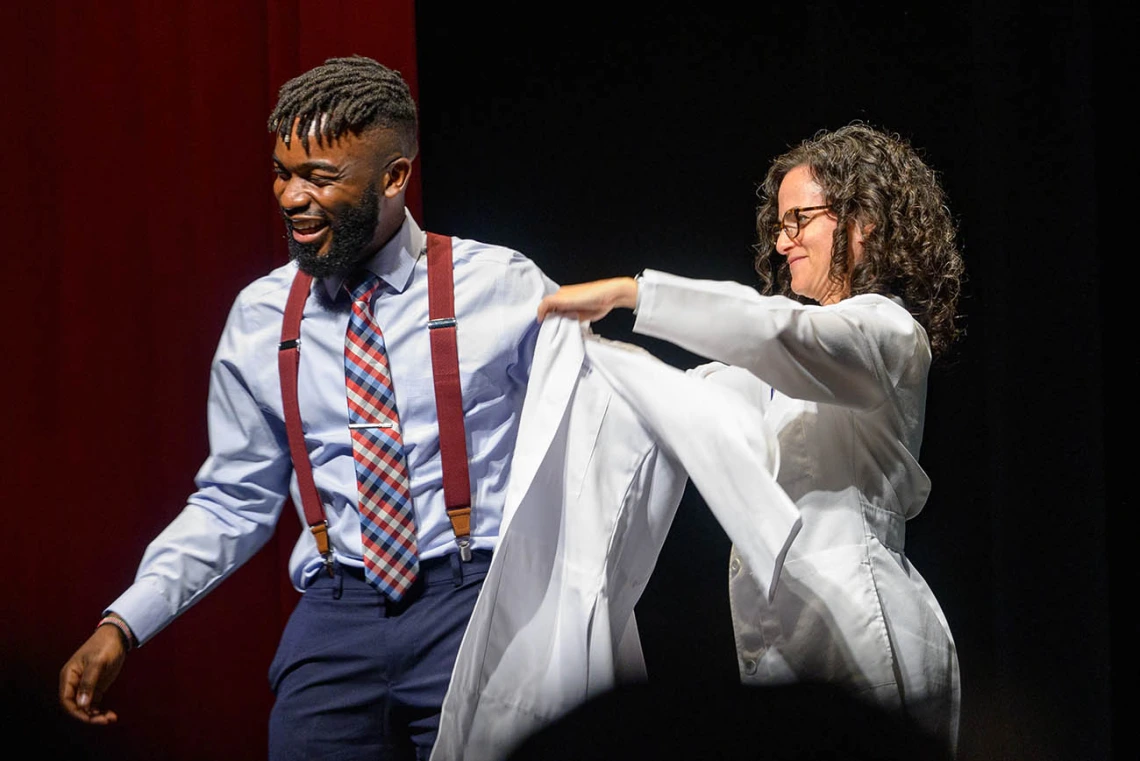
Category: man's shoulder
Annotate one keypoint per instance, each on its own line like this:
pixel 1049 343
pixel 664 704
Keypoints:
pixel 511 268
pixel 492 268
pixel 271 289
pixel 481 252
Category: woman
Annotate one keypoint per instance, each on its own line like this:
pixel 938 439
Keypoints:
pixel 858 261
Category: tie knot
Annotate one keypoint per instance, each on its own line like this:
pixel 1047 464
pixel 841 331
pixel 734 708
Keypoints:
pixel 361 285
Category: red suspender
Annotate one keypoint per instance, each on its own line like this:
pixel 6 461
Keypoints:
pixel 448 394
pixel 448 399
pixel 288 359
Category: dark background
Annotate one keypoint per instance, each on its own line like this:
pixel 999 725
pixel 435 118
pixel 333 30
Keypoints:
pixel 601 143
pixel 598 141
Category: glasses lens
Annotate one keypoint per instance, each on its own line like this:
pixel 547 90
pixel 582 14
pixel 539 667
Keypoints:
pixel 791 223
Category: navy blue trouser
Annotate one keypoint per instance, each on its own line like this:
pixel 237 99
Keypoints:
pixel 358 677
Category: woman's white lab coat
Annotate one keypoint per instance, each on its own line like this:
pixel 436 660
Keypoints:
pixel 844 389
pixel 819 584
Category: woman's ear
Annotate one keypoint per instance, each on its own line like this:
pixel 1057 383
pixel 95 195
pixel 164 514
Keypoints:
pixel 856 233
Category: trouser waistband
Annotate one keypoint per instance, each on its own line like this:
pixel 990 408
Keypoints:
pixel 437 570
pixel 448 569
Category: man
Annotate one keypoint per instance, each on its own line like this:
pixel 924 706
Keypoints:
pixel 363 664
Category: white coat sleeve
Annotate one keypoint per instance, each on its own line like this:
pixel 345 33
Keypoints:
pixel 852 353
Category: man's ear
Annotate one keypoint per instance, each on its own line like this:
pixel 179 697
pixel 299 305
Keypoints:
pixel 397 176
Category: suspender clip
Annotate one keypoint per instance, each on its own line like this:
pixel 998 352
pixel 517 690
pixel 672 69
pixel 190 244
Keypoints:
pixel 464 548
pixel 321 535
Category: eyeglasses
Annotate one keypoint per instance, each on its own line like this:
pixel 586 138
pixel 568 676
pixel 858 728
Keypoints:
pixel 794 220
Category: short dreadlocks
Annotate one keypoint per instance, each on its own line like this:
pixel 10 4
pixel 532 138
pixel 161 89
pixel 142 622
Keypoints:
pixel 346 95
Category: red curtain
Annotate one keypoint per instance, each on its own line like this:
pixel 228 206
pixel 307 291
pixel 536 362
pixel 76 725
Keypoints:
pixel 136 201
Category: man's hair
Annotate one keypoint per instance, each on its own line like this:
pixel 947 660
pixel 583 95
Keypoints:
pixel 877 180
pixel 346 95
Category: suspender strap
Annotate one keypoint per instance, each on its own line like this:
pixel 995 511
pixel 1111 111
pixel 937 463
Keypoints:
pixel 288 359
pixel 448 399
pixel 448 393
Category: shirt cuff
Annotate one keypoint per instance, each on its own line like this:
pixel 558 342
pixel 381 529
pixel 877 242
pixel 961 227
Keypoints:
pixel 647 281
pixel 144 609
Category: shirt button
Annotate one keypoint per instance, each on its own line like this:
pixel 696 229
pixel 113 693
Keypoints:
pixel 734 567
pixel 750 667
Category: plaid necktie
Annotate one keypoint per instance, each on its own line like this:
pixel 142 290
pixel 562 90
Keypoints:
pixel 388 527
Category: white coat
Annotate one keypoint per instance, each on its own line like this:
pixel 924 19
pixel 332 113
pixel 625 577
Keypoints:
pixel 607 436
pixel 844 389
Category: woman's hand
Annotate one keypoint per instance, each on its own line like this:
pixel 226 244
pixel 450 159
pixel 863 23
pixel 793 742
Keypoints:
pixel 591 301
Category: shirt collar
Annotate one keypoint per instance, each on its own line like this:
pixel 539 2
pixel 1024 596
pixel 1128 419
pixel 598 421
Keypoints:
pixel 394 262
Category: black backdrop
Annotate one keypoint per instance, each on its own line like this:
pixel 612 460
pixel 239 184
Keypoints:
pixel 600 142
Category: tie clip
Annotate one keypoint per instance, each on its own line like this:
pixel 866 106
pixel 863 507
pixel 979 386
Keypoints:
pixel 385 426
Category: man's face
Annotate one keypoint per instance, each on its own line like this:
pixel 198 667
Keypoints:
pixel 330 200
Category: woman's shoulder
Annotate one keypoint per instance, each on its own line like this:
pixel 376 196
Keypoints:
pixel 887 319
pixel 878 301
pixel 886 308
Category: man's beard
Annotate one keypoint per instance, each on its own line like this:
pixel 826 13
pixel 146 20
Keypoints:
pixel 352 231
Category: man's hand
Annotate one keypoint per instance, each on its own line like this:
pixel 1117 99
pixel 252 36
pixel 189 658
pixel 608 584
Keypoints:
pixel 591 301
pixel 89 673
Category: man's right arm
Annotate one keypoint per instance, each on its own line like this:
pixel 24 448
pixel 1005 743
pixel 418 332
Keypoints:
pixel 241 488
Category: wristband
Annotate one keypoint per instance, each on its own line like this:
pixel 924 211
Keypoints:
pixel 121 625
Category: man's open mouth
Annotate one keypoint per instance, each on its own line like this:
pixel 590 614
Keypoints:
pixel 307 230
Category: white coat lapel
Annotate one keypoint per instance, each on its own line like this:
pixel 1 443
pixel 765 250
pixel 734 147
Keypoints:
pixel 558 357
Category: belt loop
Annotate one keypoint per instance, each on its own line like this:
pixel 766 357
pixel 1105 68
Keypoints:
pixel 456 568
pixel 338 582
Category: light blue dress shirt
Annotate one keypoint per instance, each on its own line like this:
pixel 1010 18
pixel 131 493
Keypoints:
pixel 243 483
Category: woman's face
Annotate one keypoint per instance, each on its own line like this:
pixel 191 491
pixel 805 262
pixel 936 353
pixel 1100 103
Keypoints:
pixel 809 252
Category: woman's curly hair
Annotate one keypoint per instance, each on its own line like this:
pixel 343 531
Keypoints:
pixel 909 245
